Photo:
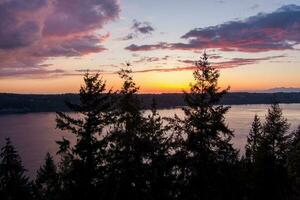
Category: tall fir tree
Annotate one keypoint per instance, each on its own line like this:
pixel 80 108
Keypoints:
pixel 276 133
pixel 157 156
pixel 254 151
pixel 209 152
pixel 82 161
pixel 126 167
pixel 270 176
pixel 254 139
pixel 47 186
pixel 14 184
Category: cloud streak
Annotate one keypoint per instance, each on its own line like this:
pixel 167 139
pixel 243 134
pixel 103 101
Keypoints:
pixel 235 62
pixel 146 59
pixel 31 72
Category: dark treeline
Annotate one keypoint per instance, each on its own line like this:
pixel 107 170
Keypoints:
pixel 25 103
pixel 121 153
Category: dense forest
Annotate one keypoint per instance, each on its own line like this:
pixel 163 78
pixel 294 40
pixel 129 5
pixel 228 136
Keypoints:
pixel 121 153
pixel 28 103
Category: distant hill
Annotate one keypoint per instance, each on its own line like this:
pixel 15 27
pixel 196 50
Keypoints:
pixel 281 89
pixel 24 103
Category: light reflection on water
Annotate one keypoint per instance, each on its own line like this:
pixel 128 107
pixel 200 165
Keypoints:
pixel 34 134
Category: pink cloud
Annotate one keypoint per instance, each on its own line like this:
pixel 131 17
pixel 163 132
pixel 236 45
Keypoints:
pixel 32 31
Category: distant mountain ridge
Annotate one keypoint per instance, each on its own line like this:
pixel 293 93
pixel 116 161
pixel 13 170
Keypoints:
pixel 280 89
pixel 25 103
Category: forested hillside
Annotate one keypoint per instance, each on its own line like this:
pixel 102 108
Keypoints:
pixel 21 103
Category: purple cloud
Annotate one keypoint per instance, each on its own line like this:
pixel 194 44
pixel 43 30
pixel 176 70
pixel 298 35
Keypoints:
pixel 76 16
pixel 264 32
pixel 70 47
pixel 17 29
pixel 30 72
pixel 237 62
pixel 32 31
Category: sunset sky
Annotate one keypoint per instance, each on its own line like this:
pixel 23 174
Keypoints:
pixel 46 45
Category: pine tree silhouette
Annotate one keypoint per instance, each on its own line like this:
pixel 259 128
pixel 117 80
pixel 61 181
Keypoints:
pixel 254 150
pixel 14 184
pixel 82 161
pixel 157 156
pixel 270 173
pixel 208 149
pixel 254 139
pixel 275 130
pixel 126 175
pixel 47 185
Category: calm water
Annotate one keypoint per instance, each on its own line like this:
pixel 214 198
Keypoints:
pixel 34 134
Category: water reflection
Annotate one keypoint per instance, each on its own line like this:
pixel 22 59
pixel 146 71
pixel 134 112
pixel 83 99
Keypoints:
pixel 34 134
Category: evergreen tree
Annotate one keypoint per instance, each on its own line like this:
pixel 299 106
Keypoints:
pixel 47 185
pixel 254 139
pixel 14 184
pixel 294 163
pixel 157 156
pixel 276 133
pixel 126 175
pixel 270 179
pixel 262 180
pixel 252 150
pixel 83 161
pixel 208 148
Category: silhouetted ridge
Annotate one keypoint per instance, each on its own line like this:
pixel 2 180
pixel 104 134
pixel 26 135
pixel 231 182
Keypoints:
pixel 24 103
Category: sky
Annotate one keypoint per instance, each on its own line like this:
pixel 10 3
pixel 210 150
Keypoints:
pixel 47 45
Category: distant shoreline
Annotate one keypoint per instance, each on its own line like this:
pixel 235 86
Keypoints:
pixel 32 103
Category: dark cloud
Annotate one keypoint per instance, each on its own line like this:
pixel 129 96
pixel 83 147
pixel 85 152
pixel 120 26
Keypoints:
pixel 264 32
pixel 162 45
pixel 166 57
pixel 139 28
pixel 148 59
pixel 142 27
pixel 187 61
pixel 130 36
pixel 32 31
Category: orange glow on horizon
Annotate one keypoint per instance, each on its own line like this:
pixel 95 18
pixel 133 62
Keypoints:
pixel 239 79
